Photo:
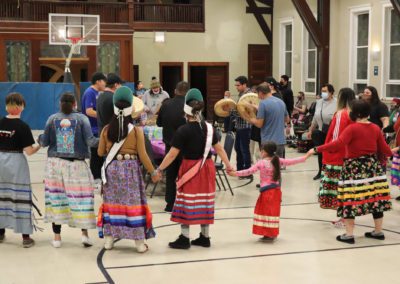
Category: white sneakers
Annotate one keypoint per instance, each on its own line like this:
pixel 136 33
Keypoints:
pixel 141 247
pixel 109 242
pixel 86 241
pixel 56 244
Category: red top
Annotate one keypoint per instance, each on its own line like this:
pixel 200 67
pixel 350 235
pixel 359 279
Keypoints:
pixel 340 121
pixel 396 130
pixel 359 139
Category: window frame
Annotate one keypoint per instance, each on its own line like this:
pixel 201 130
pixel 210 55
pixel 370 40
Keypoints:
pixel 282 47
pixel 354 13
pixel 386 29
pixel 305 60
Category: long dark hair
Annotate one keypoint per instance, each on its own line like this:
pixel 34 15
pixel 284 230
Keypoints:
pixel 374 97
pixel 346 96
pixel 67 103
pixel 270 148
pixel 113 127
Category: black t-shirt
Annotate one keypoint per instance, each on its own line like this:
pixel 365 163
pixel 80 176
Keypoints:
pixel 171 117
pixel 105 109
pixel 190 139
pixel 15 135
pixel 377 112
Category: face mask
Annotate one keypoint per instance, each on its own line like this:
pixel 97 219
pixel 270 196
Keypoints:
pixel 325 96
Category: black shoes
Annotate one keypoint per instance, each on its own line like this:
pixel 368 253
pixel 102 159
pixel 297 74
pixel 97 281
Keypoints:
pixel 201 241
pixel 181 243
pixel 168 208
pixel 345 239
pixel 258 185
pixel 373 235
pixel 2 237
pixel 317 177
pixel 398 198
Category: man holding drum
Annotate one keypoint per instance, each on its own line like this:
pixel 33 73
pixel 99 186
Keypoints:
pixel 243 130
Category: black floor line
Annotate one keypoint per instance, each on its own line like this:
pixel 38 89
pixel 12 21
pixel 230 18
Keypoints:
pixel 111 281
pixel 247 257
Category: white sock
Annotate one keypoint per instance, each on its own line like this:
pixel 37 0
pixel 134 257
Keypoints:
pixel 205 230
pixel 185 230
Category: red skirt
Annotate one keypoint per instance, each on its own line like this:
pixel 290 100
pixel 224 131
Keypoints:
pixel 267 213
pixel 194 204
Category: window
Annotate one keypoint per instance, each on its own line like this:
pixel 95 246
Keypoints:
pixel 392 54
pixel 359 57
pixel 18 61
pixel 108 57
pixel 310 64
pixel 286 48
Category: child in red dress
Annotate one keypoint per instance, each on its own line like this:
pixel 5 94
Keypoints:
pixel 268 207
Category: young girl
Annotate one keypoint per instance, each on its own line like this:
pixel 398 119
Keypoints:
pixel 268 207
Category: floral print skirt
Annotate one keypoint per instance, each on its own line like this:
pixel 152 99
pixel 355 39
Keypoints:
pixel 124 213
pixel 328 189
pixel 363 188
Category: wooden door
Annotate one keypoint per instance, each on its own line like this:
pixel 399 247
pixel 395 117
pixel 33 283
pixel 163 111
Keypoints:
pixel 217 84
pixel 260 63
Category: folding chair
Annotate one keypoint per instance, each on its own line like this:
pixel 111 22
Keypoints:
pixel 219 166
pixel 150 153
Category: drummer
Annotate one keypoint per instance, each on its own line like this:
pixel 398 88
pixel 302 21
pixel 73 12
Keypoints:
pixel 243 130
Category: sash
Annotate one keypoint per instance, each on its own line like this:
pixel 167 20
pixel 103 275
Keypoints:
pixel 270 186
pixel 197 167
pixel 111 155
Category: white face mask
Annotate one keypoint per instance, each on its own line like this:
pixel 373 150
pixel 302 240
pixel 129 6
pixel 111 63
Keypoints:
pixel 324 96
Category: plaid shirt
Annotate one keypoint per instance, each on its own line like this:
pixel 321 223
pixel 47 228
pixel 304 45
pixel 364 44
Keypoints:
pixel 240 123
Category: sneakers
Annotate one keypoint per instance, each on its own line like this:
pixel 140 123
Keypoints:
pixel 56 244
pixel 181 243
pixel 201 241
pixel 86 242
pixel 27 243
pixel 345 239
pixel 109 242
pixel 142 248
pixel 373 235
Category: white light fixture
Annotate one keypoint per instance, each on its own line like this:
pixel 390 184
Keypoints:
pixel 376 52
pixel 159 37
pixel 61 33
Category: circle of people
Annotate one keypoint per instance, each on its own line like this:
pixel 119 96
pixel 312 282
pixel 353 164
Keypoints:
pixel 347 134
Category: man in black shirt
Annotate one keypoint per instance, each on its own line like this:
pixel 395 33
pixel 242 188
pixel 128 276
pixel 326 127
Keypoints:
pixel 105 106
pixel 287 94
pixel 170 118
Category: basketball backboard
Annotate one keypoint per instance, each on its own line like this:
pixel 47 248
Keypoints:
pixel 64 28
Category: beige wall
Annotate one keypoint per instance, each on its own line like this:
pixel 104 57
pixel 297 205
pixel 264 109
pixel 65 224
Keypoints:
pixel 339 42
pixel 229 30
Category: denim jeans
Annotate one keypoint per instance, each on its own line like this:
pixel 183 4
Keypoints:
pixel 242 148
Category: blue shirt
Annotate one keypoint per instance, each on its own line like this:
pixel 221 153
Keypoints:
pixel 68 136
pixel 89 101
pixel 273 111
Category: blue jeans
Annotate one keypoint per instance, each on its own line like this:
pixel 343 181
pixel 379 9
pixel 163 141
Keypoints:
pixel 242 148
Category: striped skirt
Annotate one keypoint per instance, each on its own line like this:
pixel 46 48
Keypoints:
pixel 363 188
pixel 327 196
pixel 267 213
pixel 395 170
pixel 15 193
pixel 194 204
pixel 69 193
pixel 124 213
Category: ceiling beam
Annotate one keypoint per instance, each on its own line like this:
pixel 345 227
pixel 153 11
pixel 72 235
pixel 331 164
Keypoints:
pixel 396 5
pixel 309 21
pixel 260 19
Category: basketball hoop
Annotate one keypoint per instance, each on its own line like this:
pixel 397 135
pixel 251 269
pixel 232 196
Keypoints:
pixel 75 44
